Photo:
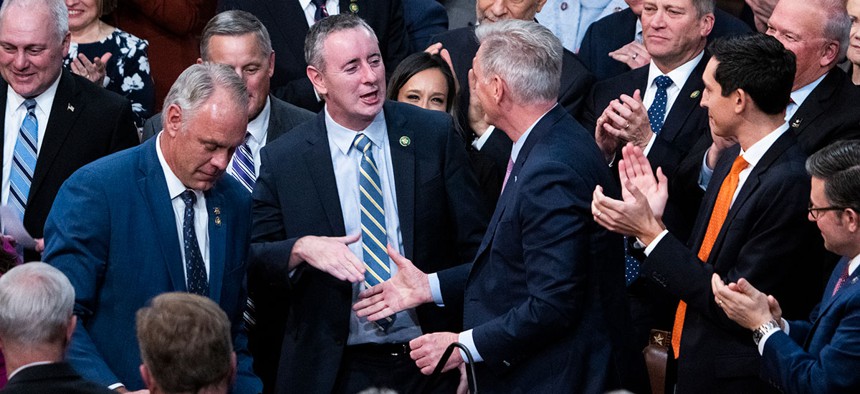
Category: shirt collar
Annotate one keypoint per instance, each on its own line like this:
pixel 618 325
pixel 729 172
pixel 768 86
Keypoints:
pixel 28 366
pixel 304 3
pixel 852 266
pixel 344 137
pixel 800 95
pixel 174 185
pixel 679 75
pixel 258 127
pixel 43 101
pixel 518 145
pixel 638 35
pixel 757 150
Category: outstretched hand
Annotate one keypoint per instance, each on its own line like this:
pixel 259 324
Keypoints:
pixel 330 255
pixel 636 169
pixel 93 70
pixel 408 288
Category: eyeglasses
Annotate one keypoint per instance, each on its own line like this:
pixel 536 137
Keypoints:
pixel 816 212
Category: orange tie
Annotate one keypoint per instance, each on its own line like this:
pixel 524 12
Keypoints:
pixel 718 216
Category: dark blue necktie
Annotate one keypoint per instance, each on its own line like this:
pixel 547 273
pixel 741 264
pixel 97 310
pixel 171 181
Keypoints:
pixel 321 11
pixel 657 111
pixel 195 270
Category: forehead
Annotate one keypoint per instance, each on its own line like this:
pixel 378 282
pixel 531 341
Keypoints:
pixel 244 45
pixel 816 193
pixel 686 4
pixel 798 17
pixel 349 43
pixel 27 27
pixel 219 118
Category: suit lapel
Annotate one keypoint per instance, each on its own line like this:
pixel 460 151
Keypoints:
pixel 318 161
pixel 829 301
pixel 153 187
pixel 65 110
pixel 816 103
pixel 751 185
pixel 217 241
pixel 541 128
pixel 403 165
pixel 710 199
pixel 686 102
pixel 276 125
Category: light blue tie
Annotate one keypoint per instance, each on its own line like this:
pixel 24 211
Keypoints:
pixel 24 160
pixel 373 234
pixel 657 111
pixel 243 165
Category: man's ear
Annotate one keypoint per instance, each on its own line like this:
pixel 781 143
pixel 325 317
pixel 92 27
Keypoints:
pixel 172 120
pixel 147 378
pixel 317 79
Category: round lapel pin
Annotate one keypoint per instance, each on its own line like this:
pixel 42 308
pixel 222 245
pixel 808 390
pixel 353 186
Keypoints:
pixel 405 141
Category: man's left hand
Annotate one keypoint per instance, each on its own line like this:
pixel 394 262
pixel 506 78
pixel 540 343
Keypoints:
pixel 628 120
pixel 742 302
pixel 427 350
pixel 632 216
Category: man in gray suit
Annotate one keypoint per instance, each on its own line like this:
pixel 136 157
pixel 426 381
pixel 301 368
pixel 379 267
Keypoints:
pixel 238 39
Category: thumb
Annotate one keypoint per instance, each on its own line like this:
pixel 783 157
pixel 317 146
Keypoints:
pixel 104 58
pixel 637 95
pixel 744 286
pixel 402 262
pixel 348 239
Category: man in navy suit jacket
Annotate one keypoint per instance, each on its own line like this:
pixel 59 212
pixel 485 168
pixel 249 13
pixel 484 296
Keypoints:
pixel 118 227
pixel 308 215
pixel 818 354
pixel 758 230
pixel 543 300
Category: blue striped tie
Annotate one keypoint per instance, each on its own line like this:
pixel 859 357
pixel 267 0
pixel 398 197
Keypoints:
pixel 373 234
pixel 243 165
pixel 24 160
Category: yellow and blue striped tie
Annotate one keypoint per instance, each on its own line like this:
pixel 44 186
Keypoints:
pixel 373 234
pixel 24 160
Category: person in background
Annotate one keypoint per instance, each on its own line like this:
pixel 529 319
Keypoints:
pixel 109 56
pixel 424 80
pixel 852 65
pixel 185 345
pixel 36 324
pixel 569 19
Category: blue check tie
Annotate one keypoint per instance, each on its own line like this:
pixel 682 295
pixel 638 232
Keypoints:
pixel 243 165
pixel 24 160
pixel 657 111
pixel 195 270
pixel 656 116
pixel 373 234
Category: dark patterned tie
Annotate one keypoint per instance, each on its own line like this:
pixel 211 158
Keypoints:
pixel 195 270
pixel 321 11
pixel 657 111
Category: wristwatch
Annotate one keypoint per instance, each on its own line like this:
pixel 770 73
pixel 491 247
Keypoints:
pixel 764 329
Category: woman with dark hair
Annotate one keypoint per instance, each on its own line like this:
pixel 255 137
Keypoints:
pixel 109 56
pixel 424 80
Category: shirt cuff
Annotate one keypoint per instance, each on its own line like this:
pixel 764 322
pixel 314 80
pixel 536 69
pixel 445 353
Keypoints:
pixel 653 244
pixel 435 289
pixel 479 143
pixel 706 173
pixel 650 144
pixel 785 326
pixel 115 386
pixel 764 339
pixel 465 338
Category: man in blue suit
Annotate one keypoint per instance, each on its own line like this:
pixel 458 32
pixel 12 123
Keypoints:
pixel 154 219
pixel 818 355
pixel 544 298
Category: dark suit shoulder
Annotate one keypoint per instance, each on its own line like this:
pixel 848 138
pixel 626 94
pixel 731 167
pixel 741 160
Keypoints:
pixel 727 25
pixel 54 378
pixel 464 36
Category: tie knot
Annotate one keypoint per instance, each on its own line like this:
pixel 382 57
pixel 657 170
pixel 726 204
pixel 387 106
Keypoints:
pixel 189 198
pixel 663 82
pixel 361 142
pixel 30 104
pixel 739 165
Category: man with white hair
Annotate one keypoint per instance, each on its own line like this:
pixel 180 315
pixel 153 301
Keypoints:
pixel 36 324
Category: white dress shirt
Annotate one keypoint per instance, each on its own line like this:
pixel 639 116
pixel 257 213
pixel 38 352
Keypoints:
pixel 15 113
pixel 679 77
pixel 201 219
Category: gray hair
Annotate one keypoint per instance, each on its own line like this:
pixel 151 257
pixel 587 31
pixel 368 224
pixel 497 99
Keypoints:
pixel 36 303
pixel 703 7
pixel 198 83
pixel 56 8
pixel 235 23
pixel 838 165
pixel 837 24
pixel 526 55
pixel 320 31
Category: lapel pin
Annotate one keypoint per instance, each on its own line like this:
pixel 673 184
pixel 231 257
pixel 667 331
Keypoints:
pixel 70 107
pixel 796 123
pixel 515 179
pixel 853 280
pixel 217 220
pixel 695 94
pixel 405 141
pixel 217 211
pixel 353 6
